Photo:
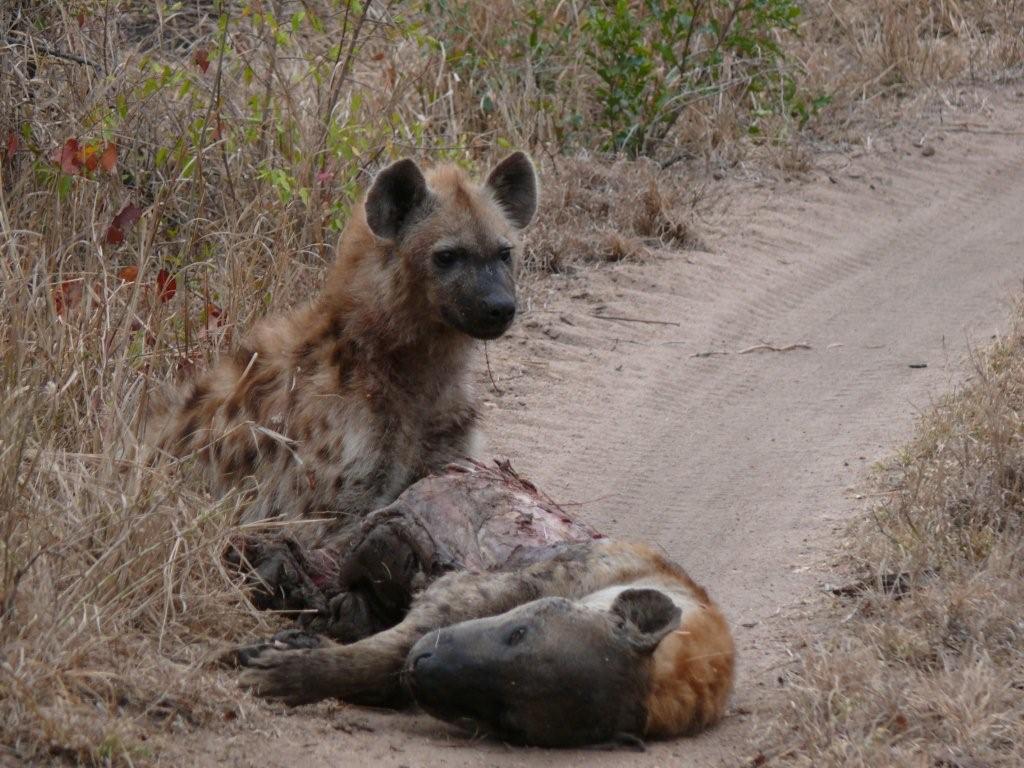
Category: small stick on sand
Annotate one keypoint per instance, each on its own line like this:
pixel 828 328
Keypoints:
pixel 490 374
pixel 755 348
pixel 635 320
pixel 770 348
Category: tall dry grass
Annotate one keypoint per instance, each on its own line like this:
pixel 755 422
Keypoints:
pixel 110 584
pixel 875 56
pixel 923 665
pixel 240 134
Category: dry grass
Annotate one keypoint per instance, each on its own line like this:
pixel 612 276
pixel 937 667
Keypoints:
pixel 595 212
pixel 243 141
pixel 931 672
pixel 872 56
pixel 110 584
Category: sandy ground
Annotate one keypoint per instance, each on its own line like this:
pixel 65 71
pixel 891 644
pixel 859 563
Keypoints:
pixel 744 464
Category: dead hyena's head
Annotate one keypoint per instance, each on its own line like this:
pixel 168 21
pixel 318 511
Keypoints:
pixel 457 239
pixel 550 673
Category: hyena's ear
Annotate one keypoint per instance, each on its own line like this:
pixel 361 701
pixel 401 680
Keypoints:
pixel 514 184
pixel 646 616
pixel 395 194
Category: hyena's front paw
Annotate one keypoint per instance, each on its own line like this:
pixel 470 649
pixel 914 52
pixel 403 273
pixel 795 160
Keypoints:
pixel 349 617
pixel 291 676
pixel 292 639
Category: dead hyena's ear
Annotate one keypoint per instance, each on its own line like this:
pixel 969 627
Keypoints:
pixel 514 184
pixel 395 195
pixel 646 616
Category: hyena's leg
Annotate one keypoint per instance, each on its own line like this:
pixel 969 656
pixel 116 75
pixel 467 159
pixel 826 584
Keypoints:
pixel 390 560
pixel 352 584
pixel 368 672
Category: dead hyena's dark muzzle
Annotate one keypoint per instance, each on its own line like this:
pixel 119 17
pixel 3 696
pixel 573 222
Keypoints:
pixel 548 673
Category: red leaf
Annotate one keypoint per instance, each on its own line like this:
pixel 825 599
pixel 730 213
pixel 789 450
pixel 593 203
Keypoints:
pixel 12 144
pixel 128 216
pixel 71 157
pixel 129 274
pixel 108 160
pixel 214 312
pixel 68 157
pixel 122 223
pixel 67 295
pixel 166 285
pixel 324 177
pixel 81 20
pixel 201 58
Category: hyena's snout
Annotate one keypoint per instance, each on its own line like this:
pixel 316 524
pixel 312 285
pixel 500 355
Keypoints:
pixel 481 301
pixel 429 671
pixel 453 680
pixel 500 309
pixel 495 312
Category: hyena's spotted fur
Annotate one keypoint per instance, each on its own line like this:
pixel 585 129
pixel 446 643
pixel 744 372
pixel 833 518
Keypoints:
pixel 337 407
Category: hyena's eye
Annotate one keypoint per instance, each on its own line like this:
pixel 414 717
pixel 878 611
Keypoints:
pixel 516 636
pixel 445 258
pixel 505 254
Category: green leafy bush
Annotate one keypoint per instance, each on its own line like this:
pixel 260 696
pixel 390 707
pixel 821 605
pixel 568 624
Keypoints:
pixel 655 58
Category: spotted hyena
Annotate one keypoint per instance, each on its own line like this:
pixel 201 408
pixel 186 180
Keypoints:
pixel 545 633
pixel 337 407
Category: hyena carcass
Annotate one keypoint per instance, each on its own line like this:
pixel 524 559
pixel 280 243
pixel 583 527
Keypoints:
pixel 546 633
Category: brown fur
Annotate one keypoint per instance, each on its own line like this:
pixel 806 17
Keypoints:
pixel 338 406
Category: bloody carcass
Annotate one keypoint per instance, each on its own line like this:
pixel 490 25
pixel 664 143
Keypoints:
pixel 361 579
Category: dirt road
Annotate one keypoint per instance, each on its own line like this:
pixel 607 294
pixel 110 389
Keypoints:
pixel 744 463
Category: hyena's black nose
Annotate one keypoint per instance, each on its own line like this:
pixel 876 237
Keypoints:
pixel 501 311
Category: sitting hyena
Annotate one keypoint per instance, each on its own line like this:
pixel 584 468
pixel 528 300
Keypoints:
pixel 546 633
pixel 337 407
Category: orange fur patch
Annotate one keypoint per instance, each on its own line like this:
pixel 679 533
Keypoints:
pixel 691 676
